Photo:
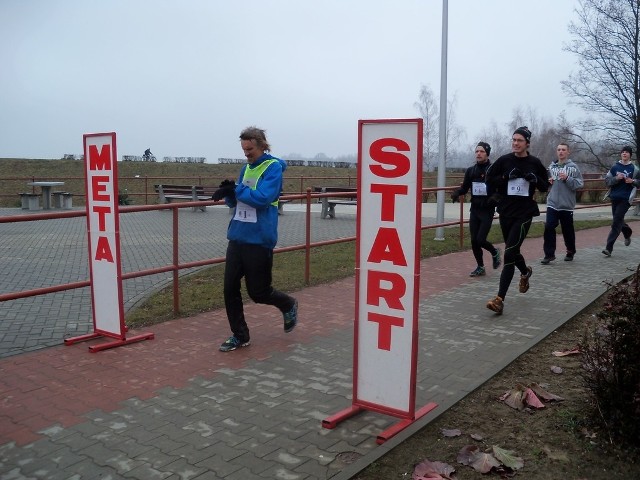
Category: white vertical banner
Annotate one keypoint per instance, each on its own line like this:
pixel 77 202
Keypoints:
pixel 388 265
pixel 101 185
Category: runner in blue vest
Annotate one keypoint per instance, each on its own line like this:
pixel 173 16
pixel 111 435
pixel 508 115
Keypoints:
pixel 252 235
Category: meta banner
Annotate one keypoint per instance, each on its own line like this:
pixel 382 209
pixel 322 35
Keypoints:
pixel 388 265
pixel 101 187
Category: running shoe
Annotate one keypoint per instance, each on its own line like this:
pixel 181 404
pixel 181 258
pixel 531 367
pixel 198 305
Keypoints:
pixel 232 343
pixel 291 318
pixel 496 259
pixel 524 280
pixel 496 304
pixel 478 272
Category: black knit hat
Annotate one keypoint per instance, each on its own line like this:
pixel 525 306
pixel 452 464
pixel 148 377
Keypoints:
pixel 525 132
pixel 486 146
pixel 627 149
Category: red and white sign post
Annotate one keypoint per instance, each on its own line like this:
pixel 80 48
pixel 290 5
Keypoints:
pixel 103 226
pixel 387 273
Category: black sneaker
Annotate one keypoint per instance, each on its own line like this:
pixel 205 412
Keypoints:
pixel 291 318
pixel 496 259
pixel 478 272
pixel 627 241
pixel 569 256
pixel 547 260
pixel 606 253
pixel 232 343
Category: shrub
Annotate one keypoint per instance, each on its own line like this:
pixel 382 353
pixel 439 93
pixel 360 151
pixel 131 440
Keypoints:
pixel 123 198
pixel 611 360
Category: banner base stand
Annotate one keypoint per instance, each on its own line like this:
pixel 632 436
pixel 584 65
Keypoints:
pixel 104 346
pixel 332 421
pixel 401 425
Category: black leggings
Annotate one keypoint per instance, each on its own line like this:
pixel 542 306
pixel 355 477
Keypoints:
pixel 254 263
pixel 479 225
pixel 514 231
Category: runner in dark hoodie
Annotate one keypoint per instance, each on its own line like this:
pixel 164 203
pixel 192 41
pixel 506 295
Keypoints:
pixel 623 182
pixel 515 177
pixel 481 211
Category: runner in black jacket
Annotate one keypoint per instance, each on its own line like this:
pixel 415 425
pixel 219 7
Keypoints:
pixel 515 177
pixel 481 211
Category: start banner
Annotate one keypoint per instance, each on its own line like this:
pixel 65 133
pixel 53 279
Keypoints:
pixel 388 265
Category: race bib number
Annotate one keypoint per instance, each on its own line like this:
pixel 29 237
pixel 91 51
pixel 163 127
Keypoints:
pixel 518 187
pixel 479 189
pixel 245 213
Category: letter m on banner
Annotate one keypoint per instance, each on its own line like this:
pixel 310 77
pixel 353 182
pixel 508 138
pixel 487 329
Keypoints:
pixel 103 227
pixel 389 216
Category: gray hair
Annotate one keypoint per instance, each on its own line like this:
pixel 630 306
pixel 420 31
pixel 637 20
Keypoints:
pixel 257 134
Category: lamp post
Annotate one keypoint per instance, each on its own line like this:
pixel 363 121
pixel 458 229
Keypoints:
pixel 442 138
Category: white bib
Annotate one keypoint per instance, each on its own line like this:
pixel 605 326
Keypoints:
pixel 245 213
pixel 519 187
pixel 479 189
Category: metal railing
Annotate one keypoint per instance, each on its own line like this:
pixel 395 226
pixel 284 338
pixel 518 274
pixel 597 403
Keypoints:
pixel 140 188
pixel 308 198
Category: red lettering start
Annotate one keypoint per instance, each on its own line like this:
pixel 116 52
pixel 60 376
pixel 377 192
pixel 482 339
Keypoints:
pixel 385 322
pixel 389 287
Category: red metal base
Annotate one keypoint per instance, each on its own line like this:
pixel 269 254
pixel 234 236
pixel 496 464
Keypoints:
pixel 332 421
pixel 401 425
pixel 112 344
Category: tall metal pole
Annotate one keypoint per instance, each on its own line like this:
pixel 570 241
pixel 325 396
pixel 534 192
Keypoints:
pixel 442 138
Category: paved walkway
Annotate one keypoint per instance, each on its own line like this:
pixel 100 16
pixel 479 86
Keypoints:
pixel 175 407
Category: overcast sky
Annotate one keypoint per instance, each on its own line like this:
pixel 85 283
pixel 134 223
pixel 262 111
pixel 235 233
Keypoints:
pixel 183 77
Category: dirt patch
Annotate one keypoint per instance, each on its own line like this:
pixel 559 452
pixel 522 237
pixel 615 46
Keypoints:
pixel 555 442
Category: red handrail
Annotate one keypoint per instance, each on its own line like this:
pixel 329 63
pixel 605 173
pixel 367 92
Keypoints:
pixel 175 266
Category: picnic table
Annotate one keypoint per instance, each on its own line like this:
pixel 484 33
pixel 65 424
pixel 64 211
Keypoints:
pixel 345 196
pixel 46 186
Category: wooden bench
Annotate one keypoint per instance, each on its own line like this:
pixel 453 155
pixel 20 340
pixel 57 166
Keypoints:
pixel 329 203
pixel 30 201
pixel 62 200
pixel 185 193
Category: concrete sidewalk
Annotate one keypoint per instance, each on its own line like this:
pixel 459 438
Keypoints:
pixel 175 407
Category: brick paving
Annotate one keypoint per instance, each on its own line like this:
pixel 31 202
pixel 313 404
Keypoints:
pixel 177 408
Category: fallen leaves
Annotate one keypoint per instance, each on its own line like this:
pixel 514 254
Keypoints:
pixel 497 459
pixel 529 396
pixel 568 351
pixel 428 470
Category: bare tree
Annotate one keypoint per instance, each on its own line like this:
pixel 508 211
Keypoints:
pixel 428 108
pixel 544 140
pixel 606 42
pixel 430 113
pixel 588 147
pixel 498 137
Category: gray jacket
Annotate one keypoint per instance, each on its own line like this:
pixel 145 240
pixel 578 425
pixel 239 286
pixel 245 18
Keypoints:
pixel 562 194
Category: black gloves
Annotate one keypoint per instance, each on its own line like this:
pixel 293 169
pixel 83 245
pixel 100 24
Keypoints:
pixel 454 196
pixel 531 177
pixel 515 173
pixel 494 200
pixel 227 188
